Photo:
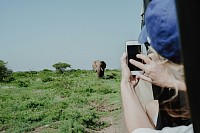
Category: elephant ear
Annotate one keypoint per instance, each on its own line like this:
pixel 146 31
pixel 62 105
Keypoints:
pixel 94 66
pixel 103 64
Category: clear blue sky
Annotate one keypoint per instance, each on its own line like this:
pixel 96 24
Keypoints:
pixel 35 34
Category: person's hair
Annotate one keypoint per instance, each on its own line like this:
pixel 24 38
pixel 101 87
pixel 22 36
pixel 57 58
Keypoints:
pixel 177 72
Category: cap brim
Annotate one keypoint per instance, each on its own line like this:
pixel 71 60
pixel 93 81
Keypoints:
pixel 143 35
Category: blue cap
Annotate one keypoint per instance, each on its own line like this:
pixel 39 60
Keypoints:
pixel 161 27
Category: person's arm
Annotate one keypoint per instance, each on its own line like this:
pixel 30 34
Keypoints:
pixel 135 116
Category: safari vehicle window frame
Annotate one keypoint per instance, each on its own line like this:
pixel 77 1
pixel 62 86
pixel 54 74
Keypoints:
pixel 188 13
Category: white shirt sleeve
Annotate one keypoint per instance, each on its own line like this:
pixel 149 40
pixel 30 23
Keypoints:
pixel 178 129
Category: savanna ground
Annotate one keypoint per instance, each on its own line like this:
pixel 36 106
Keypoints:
pixel 74 102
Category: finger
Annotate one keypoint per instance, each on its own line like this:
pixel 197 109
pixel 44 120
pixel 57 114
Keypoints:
pixel 134 80
pixel 144 78
pixel 124 66
pixel 123 58
pixel 152 56
pixel 145 74
pixel 145 58
pixel 137 64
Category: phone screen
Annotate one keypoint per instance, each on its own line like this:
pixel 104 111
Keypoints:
pixel 132 50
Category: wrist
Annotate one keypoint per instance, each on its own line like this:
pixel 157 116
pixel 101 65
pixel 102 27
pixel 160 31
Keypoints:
pixel 181 86
pixel 177 84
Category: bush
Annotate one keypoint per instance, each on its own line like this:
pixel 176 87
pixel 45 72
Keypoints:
pixel 71 126
pixel 9 79
pixel 46 70
pixel 47 79
pixel 20 74
pixel 4 71
pixel 24 83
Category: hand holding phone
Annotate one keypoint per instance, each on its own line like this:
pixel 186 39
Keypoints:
pixel 132 49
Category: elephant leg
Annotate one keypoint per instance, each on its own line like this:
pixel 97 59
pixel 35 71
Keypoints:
pixel 99 72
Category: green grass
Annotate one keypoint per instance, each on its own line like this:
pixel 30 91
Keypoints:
pixel 71 102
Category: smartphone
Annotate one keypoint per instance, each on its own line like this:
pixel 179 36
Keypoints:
pixel 132 49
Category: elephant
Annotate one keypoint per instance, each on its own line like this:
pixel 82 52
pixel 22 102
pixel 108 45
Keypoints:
pixel 99 67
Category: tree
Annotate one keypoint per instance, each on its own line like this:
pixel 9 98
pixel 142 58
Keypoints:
pixel 4 71
pixel 61 67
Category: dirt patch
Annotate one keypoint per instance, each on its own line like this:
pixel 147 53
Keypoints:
pixel 45 129
pixel 116 126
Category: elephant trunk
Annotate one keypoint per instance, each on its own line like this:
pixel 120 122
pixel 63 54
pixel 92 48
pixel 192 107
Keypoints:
pixel 100 72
